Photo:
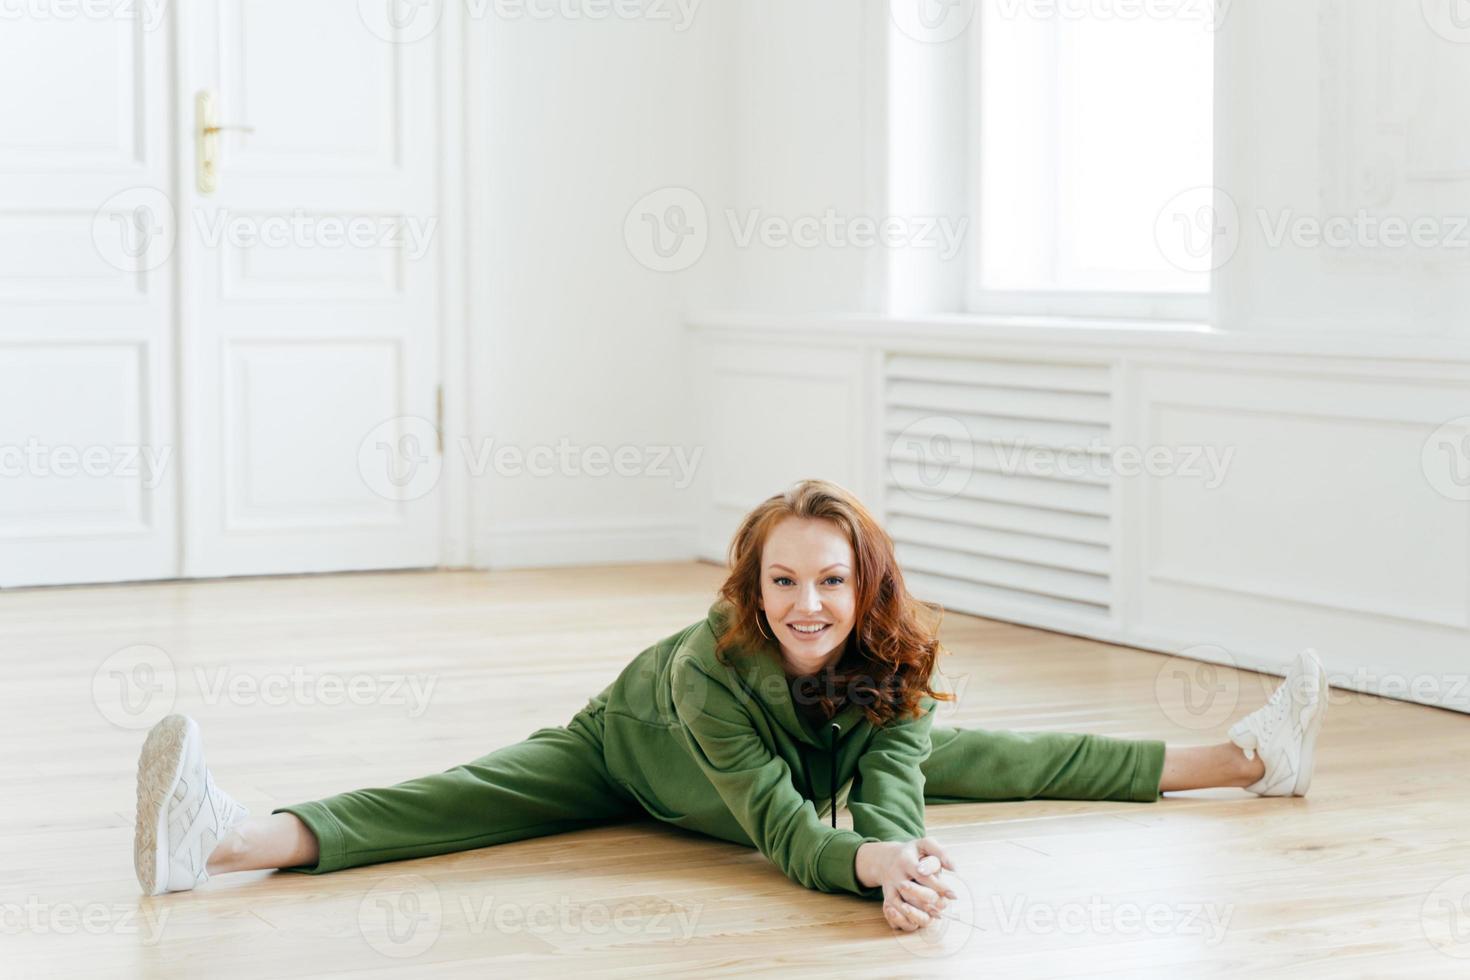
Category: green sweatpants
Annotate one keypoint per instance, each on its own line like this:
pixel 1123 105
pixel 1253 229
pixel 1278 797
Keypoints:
pixel 556 781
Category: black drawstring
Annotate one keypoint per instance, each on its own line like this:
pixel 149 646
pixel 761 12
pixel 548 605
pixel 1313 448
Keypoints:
pixel 832 758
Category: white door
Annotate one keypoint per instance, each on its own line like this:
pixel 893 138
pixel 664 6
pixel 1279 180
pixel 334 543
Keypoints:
pixel 88 471
pixel 235 381
pixel 310 289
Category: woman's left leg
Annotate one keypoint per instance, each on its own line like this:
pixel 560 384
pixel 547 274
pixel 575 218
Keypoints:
pixel 1271 752
pixel 970 764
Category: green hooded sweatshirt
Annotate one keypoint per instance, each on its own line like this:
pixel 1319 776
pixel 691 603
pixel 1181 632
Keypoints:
pixel 724 751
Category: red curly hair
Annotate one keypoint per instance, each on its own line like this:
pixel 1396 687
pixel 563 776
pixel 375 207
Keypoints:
pixel 893 650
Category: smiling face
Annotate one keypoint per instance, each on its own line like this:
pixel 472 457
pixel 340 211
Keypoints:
pixel 807 581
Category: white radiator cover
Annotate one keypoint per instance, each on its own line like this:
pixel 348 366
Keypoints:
pixel 972 522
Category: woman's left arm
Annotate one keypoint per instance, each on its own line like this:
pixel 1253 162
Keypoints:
pixel 887 798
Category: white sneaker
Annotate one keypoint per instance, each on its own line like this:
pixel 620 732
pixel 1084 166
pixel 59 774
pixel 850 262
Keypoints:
pixel 182 814
pixel 1284 729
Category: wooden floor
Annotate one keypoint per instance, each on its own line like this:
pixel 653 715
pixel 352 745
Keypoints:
pixel 1366 877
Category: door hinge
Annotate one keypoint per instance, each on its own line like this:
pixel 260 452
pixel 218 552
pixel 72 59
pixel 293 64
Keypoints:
pixel 439 417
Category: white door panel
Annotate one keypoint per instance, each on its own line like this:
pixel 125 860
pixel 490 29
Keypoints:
pixel 310 290
pixel 88 467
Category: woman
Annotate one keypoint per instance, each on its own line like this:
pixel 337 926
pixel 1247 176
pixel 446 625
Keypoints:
pixel 807 686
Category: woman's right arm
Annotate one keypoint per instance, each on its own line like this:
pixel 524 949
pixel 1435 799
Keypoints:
pixel 755 783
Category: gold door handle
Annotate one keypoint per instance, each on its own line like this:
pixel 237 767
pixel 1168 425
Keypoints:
pixel 207 128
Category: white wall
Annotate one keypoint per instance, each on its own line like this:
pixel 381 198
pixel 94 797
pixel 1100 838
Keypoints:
pixel 570 123
pixel 807 125
pixel 1327 108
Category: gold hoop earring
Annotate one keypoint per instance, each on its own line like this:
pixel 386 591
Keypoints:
pixel 758 626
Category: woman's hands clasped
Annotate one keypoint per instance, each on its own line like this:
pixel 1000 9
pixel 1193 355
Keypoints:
pixel 908 871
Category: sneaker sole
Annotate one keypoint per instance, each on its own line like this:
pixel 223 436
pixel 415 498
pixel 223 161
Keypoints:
pixel 159 767
pixel 1314 725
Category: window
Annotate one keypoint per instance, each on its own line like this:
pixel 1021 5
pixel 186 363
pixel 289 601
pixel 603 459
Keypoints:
pixel 1092 157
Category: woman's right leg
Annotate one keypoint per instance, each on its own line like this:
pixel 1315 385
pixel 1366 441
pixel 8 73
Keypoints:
pixel 554 781
pixel 280 840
